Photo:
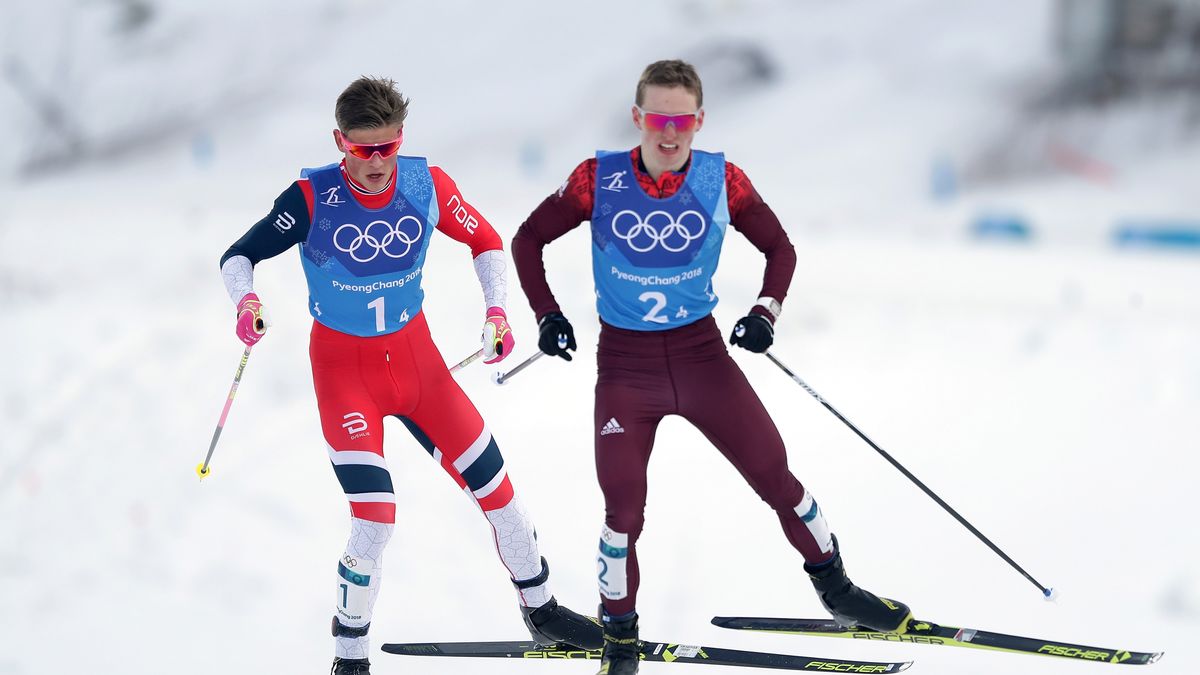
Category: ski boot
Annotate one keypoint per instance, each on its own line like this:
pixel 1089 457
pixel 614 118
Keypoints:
pixel 350 667
pixel 851 605
pixel 622 650
pixel 552 623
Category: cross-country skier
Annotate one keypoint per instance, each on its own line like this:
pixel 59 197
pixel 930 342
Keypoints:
pixel 363 226
pixel 659 214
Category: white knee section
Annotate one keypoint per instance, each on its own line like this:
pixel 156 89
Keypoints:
pixel 810 513
pixel 358 579
pixel 611 564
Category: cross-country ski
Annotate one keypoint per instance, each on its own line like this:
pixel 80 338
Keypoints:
pixel 649 651
pixel 923 632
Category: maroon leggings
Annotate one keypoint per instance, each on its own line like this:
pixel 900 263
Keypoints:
pixel 686 371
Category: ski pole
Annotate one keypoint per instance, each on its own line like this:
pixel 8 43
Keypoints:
pixel 466 362
pixel 202 469
pixel 1048 593
pixel 501 378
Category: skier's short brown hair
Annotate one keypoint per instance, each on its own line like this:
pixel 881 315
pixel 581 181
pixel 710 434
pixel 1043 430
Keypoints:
pixel 670 73
pixel 370 103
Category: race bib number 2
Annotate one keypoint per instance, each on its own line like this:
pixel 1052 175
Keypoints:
pixel 660 300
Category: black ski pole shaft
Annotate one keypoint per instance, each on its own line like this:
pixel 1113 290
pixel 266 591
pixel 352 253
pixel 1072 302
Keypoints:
pixel 1048 593
pixel 501 378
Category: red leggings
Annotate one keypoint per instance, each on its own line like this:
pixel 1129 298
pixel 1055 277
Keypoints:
pixel 360 380
pixel 686 371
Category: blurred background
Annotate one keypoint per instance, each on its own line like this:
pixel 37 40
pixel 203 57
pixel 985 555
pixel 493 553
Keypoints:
pixel 998 231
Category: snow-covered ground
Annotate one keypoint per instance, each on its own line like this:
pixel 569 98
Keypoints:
pixel 1048 391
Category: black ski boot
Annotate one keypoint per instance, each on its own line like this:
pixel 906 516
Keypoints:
pixel 552 624
pixel 350 667
pixel 622 650
pixel 851 605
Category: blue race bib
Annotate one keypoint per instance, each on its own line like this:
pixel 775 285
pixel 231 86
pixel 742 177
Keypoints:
pixel 364 266
pixel 653 259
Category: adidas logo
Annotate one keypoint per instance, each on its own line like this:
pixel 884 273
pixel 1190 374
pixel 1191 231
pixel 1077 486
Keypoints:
pixel 611 427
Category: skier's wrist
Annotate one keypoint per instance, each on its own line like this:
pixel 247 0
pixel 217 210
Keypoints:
pixel 768 307
pixel 762 312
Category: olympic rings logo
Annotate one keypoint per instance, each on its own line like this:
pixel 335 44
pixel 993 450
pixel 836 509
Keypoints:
pixel 379 236
pixel 658 227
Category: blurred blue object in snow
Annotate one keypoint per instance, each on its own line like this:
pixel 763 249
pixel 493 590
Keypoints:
pixel 943 180
pixel 532 157
pixel 1158 234
pixel 1001 225
pixel 203 149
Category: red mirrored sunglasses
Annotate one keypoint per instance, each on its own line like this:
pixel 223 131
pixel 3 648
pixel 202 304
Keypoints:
pixel 659 121
pixel 366 151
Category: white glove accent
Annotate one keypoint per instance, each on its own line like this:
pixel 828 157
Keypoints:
pixel 489 340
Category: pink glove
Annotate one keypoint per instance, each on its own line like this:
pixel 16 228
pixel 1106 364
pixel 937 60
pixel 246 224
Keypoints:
pixel 498 339
pixel 250 324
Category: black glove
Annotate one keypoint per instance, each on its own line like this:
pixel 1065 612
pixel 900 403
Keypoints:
pixel 555 335
pixel 754 332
